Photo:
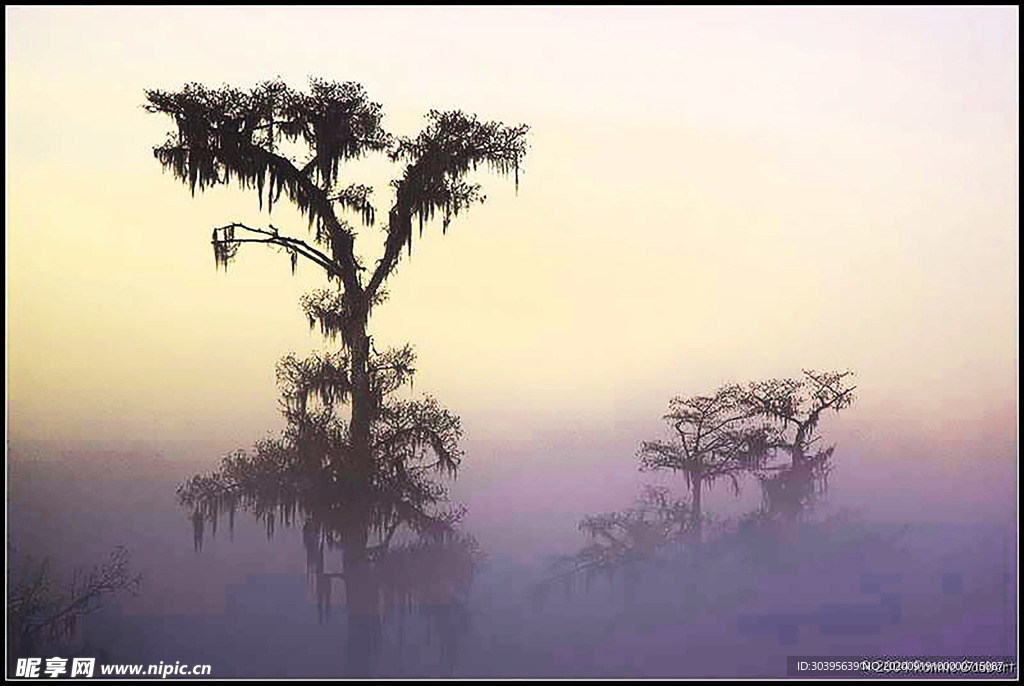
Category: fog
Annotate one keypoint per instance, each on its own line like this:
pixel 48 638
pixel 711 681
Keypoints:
pixel 894 561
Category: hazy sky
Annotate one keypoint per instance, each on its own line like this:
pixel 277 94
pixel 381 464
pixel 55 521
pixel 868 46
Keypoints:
pixel 710 195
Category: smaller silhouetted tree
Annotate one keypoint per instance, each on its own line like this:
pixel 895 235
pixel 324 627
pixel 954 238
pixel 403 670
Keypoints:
pixel 715 437
pixel 40 616
pixel 619 541
pixel 794 407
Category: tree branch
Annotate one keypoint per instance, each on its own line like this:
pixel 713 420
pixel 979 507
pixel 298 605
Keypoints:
pixel 332 268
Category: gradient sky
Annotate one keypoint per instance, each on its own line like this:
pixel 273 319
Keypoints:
pixel 710 195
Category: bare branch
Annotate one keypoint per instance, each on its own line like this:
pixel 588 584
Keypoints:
pixel 223 238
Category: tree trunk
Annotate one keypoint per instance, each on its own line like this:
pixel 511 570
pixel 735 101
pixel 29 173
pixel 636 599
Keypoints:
pixel 693 583
pixel 362 396
pixel 698 515
pixel 362 605
pixel 361 587
pixel 799 449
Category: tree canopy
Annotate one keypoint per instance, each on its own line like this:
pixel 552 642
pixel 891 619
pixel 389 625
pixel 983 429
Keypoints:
pixel 227 134
pixel 714 437
pixel 794 406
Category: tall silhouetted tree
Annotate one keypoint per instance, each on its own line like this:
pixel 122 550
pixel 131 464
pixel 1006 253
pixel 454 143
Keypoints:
pixel 225 134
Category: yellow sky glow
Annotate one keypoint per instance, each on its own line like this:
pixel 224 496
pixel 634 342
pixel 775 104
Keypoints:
pixel 710 195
